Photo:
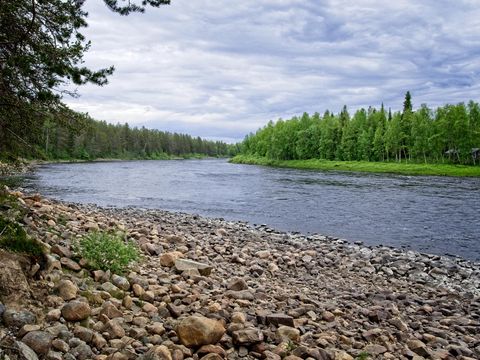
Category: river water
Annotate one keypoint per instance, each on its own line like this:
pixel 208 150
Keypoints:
pixel 438 215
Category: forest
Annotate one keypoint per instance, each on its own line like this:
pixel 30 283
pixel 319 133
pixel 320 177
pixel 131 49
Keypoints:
pixel 77 136
pixel 447 134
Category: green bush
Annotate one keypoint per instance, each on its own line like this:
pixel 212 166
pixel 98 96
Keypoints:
pixel 14 238
pixel 106 251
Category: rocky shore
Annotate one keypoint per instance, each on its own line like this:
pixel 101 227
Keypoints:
pixel 15 168
pixel 211 289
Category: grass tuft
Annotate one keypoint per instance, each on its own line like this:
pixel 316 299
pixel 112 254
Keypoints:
pixel 14 238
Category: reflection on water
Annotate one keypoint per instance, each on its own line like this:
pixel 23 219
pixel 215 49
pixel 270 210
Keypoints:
pixel 431 214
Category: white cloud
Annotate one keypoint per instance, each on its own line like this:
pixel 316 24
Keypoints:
pixel 222 71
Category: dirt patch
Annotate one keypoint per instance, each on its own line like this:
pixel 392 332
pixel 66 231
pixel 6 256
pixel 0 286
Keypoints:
pixel 14 286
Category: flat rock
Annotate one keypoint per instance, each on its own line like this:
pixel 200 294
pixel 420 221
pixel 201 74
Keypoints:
pixel 185 265
pixel 240 295
pixel 70 264
pixel 279 319
pixel 247 336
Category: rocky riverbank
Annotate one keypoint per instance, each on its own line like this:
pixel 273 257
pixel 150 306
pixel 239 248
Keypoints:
pixel 15 168
pixel 210 289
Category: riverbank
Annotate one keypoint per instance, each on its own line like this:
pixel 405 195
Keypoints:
pixel 250 292
pixel 363 166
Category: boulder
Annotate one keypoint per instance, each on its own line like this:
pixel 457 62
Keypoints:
pixel 199 330
pixel 39 341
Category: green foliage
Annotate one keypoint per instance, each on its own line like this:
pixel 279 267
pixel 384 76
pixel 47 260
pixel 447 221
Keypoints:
pixel 106 251
pixel 363 356
pixel 291 346
pixel 14 238
pixel 447 135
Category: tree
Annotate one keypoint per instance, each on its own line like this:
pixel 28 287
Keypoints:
pixel 41 51
pixel 407 103
pixel 132 6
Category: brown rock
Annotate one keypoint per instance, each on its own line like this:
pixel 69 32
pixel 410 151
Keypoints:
pixel 211 349
pixel 53 315
pixel 149 308
pixel 168 259
pixel 247 336
pixel 288 333
pixel 138 290
pixel 67 290
pixel 70 264
pixel 418 347
pixel 199 330
pixel 60 345
pixel 160 352
pixel 280 319
pixel 61 251
pixel 114 329
pixel 328 316
pixel 237 284
pixel 212 356
pixel 39 341
pixel 110 310
pixel 28 328
pixel 185 265
pixel 76 311
pixel 240 295
pixel 375 349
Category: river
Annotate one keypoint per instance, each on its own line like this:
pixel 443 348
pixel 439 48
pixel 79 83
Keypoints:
pixel 438 215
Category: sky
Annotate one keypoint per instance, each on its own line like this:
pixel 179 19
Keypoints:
pixel 221 69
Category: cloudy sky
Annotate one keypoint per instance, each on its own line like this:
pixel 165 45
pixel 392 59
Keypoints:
pixel 220 69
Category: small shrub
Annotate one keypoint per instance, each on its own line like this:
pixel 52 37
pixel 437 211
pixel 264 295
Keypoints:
pixel 14 238
pixel 106 251
pixel 291 346
pixel 363 356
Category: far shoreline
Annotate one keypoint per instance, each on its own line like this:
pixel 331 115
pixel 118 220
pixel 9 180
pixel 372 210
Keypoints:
pixel 410 169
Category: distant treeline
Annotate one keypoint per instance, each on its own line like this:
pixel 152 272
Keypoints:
pixel 447 134
pixel 70 135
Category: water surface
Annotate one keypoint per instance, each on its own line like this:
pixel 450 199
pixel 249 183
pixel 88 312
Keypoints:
pixel 439 215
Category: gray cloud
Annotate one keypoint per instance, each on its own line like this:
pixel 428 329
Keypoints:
pixel 222 69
